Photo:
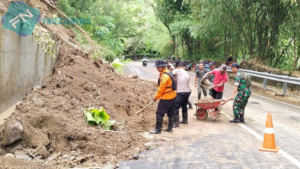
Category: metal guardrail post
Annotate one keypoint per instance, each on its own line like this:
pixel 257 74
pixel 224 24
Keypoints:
pixel 265 84
pixel 268 76
pixel 284 87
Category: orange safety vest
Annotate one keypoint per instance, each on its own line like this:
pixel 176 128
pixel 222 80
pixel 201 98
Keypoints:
pixel 165 90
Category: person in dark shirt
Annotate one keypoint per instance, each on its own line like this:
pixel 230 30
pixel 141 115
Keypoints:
pixel 199 74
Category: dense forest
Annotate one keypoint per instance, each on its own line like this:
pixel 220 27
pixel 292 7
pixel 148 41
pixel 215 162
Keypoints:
pixel 267 31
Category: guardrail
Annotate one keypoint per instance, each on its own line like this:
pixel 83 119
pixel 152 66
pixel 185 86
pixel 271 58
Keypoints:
pixel 267 76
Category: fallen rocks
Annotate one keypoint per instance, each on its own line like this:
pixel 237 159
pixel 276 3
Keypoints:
pixel 37 88
pixel 9 155
pixel 12 132
pixel 58 92
pixel 54 156
pixel 36 137
pixel 22 155
pixel 38 102
pixel 41 150
pixel 53 121
pixel 133 76
pixel 72 158
pixel 135 156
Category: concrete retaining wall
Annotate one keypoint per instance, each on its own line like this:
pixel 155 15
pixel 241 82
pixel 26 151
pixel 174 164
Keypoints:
pixel 23 65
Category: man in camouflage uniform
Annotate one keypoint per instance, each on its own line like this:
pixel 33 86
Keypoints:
pixel 240 95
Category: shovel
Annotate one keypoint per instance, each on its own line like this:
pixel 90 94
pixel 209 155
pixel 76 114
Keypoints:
pixel 144 107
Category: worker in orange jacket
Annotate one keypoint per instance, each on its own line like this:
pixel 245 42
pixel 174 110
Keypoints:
pixel 166 94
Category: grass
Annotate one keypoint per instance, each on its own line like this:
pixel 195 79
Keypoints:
pixel 126 61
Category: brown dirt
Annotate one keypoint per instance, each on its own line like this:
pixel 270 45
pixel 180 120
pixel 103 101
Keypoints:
pixel 207 99
pixel 205 83
pixel 58 125
pixel 56 131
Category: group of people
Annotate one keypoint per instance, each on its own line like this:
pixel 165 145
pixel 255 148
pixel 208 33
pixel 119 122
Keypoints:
pixel 174 92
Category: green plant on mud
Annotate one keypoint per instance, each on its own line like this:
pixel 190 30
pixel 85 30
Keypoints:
pixel 116 64
pixel 98 116
pixel 43 38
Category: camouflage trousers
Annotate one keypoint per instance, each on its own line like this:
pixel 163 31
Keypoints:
pixel 240 102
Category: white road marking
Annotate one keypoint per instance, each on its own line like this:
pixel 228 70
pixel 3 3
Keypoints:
pixel 289 157
pixel 131 69
pixel 281 151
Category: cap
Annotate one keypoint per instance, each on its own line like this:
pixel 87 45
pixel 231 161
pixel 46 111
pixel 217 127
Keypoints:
pixel 160 63
pixel 181 64
pixel 223 67
pixel 170 65
pixel 235 65
pixel 212 64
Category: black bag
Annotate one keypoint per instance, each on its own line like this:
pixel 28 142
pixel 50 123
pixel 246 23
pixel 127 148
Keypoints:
pixel 174 85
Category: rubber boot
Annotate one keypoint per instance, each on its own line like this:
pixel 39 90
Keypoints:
pixel 158 126
pixel 235 120
pixel 190 105
pixel 242 118
pixel 176 121
pixel 184 118
pixel 170 125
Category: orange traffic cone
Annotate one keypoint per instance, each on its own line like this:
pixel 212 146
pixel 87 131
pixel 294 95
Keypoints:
pixel 269 139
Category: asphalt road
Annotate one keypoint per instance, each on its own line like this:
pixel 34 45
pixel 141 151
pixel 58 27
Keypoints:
pixel 219 144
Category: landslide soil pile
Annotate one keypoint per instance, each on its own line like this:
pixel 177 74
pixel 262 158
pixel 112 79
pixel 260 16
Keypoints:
pixel 207 99
pixel 53 122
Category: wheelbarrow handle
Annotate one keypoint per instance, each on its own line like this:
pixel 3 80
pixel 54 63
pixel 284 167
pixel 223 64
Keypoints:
pixel 223 102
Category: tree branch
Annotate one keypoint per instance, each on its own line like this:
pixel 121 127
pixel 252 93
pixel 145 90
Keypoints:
pixel 240 26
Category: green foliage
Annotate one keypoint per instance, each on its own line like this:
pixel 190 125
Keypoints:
pixel 126 61
pixel 98 116
pixel 111 22
pixel 116 64
pixel 107 53
pixel 267 30
pixel 43 38
pixel 75 8
pixel 157 37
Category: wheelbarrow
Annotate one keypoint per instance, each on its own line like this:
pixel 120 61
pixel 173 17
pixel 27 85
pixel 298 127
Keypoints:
pixel 203 109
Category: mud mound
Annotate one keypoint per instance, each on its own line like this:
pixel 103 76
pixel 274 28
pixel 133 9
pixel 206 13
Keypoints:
pixel 207 99
pixel 53 121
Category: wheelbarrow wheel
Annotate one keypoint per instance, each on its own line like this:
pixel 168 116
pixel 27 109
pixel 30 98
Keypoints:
pixel 201 114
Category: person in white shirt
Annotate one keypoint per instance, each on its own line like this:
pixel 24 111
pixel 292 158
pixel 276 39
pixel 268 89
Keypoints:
pixel 183 94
